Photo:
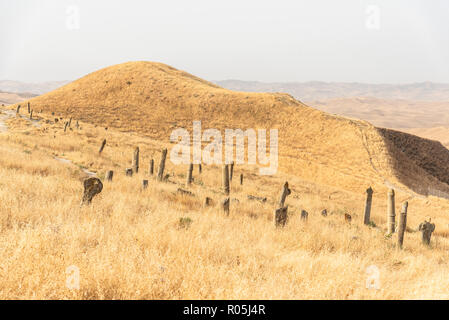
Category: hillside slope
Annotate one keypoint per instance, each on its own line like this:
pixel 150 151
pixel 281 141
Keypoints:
pixel 159 243
pixel 153 99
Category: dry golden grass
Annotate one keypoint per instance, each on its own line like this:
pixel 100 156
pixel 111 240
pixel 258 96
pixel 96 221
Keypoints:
pixel 152 99
pixel 129 244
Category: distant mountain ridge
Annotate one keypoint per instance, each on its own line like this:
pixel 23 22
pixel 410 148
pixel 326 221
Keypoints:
pixel 12 97
pixel 34 88
pixel 305 91
pixel 388 113
pixel 315 90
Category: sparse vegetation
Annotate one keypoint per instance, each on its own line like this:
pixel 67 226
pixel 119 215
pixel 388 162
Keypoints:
pixel 185 222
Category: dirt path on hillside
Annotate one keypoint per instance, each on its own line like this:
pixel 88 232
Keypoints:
pixel 67 161
pixel 6 114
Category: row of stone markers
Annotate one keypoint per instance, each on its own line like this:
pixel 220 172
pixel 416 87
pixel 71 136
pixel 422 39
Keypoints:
pixel 91 189
pixel 30 111
pixel 93 186
pixel 281 210
pixel 426 227
pixel 135 166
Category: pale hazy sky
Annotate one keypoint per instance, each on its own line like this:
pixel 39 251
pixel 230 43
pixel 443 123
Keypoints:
pixel 394 41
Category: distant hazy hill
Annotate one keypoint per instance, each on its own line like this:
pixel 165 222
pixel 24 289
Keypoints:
pixel 417 105
pixel 35 88
pixel 305 91
pixel 389 113
pixel 314 90
pixel 7 98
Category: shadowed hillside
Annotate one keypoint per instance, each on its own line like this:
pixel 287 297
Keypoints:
pixel 153 99
pixel 430 157
pixel 440 134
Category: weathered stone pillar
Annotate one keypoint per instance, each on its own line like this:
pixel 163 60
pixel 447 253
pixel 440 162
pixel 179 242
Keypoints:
pixel 369 199
pixel 391 215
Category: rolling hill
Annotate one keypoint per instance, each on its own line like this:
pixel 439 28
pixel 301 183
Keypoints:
pixel 153 99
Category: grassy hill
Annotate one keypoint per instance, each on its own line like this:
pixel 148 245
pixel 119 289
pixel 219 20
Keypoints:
pixel 153 99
